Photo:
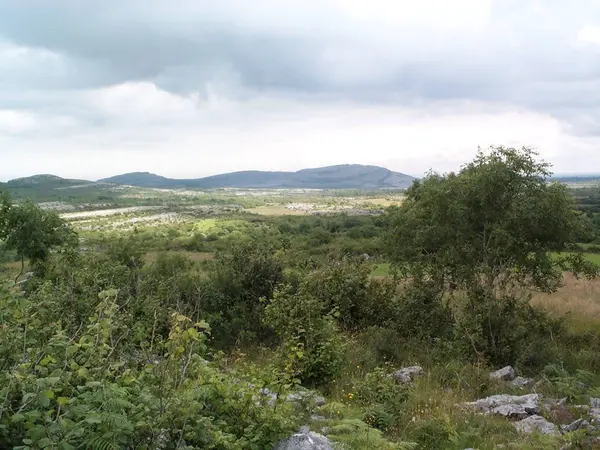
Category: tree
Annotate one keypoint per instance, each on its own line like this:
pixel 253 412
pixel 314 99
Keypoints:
pixel 495 226
pixel 31 231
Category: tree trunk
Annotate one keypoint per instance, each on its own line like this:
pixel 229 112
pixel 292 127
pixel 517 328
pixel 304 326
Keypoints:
pixel 22 269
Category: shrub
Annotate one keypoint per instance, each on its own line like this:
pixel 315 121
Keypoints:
pixel 304 328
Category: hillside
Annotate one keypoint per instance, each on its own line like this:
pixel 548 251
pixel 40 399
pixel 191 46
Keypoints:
pixel 43 181
pixel 348 176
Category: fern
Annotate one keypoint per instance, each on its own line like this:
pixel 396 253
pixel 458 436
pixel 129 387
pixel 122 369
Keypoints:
pixel 99 443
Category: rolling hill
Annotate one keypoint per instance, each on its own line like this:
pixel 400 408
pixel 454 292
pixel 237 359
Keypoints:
pixel 347 176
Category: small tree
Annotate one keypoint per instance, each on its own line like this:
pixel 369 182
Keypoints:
pixel 31 231
pixel 495 227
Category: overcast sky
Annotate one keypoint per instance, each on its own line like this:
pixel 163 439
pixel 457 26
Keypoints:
pixel 189 88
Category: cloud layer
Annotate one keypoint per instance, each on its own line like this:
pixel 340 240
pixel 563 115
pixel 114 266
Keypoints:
pixel 90 89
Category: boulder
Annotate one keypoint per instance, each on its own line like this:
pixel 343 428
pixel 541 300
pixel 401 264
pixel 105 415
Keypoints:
pixel 595 402
pixel 521 382
pixel 506 373
pixel 534 424
pixel 511 411
pixel 305 440
pixel 514 406
pixel 579 424
pixel 407 374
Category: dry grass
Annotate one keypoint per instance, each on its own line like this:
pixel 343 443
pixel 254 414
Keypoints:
pixel 578 298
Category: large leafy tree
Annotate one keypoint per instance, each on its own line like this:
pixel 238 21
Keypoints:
pixel 496 227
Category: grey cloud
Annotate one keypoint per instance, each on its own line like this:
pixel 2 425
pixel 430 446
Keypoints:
pixel 526 55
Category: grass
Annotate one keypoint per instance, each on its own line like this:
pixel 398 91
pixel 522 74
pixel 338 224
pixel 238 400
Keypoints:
pixel 577 298
pixel 381 270
pixel 591 257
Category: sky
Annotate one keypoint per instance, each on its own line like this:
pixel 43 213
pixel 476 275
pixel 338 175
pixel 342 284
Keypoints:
pixel 189 88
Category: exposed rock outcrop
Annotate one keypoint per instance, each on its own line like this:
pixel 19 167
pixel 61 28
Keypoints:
pixel 305 440
pixel 511 406
pixel 506 373
pixel 534 424
pixel 407 374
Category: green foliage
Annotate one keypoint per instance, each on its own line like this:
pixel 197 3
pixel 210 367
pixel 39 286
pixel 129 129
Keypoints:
pixel 420 312
pixel 357 435
pixel 312 336
pixel 242 277
pixel 32 232
pixel 479 231
pixel 79 391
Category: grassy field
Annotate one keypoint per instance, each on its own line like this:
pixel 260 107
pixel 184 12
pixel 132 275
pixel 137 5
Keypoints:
pixel 592 257
pixel 578 299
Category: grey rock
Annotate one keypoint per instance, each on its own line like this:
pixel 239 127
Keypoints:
pixel 595 402
pixel 579 424
pixel 506 373
pixel 595 415
pixel 511 411
pixel 521 382
pixel 305 440
pixel 306 396
pixel 534 424
pixel 407 374
pixel 508 405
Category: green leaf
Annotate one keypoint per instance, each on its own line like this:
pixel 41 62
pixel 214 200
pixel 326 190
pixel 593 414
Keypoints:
pixel 45 442
pixel 62 401
pixel 16 418
pixel 93 419
pixel 44 399
pixel 49 394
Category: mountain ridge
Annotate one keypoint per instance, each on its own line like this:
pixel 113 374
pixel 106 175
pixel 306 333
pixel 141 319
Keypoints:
pixel 343 176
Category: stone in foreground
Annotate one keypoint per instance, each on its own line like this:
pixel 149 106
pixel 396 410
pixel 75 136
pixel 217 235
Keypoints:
pixel 305 440
pixel 538 424
pixel 579 424
pixel 506 373
pixel 513 406
pixel 407 374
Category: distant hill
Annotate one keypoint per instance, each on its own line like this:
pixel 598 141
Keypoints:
pixel 43 181
pixel 347 176
pixel 43 188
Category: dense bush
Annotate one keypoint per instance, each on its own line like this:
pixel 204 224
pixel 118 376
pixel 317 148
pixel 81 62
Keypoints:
pixel 80 391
